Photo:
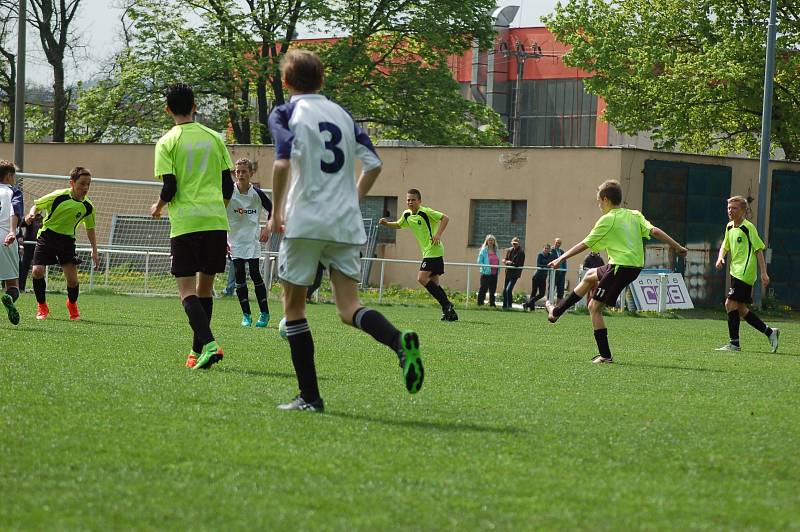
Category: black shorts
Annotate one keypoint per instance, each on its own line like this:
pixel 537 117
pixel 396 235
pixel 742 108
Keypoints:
pixel 54 248
pixel 203 251
pixel 740 291
pixel 435 265
pixel 613 280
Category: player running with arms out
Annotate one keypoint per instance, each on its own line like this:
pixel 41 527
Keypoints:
pixel 245 238
pixel 620 232
pixel 746 248
pixel 317 209
pixel 11 214
pixel 55 243
pixel 195 167
pixel 427 226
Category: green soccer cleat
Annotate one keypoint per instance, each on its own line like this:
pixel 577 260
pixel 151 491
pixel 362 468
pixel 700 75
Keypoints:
pixel 413 372
pixel 247 320
pixel 263 320
pixel 212 353
pixel 13 313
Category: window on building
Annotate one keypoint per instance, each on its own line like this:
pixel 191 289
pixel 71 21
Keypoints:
pixel 377 207
pixel 504 219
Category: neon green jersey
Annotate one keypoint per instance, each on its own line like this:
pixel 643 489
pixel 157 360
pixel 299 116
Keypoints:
pixel 196 156
pixel 620 232
pixel 65 213
pixel 424 225
pixel 743 242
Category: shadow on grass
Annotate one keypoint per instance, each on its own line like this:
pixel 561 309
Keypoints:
pixel 665 366
pixel 125 324
pixel 435 425
pixel 259 373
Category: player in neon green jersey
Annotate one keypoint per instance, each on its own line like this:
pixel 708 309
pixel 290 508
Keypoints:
pixel 746 248
pixel 195 167
pixel 55 243
pixel 427 225
pixel 620 232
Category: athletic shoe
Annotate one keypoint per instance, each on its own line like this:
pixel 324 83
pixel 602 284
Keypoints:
pixel 263 320
pixel 43 311
pixel 13 313
pixel 551 317
pixel 449 314
pixel 247 320
pixel 72 308
pixel 410 360
pixel 773 338
pixel 600 359
pixel 191 361
pixel 212 353
pixel 298 403
pixel 728 347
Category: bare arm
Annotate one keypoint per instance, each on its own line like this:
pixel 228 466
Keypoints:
pixel 280 182
pixel 437 238
pixel 664 237
pixel 721 257
pixel 580 247
pixel 12 235
pixel 762 267
pixel 31 215
pixel 366 180
pixel 90 233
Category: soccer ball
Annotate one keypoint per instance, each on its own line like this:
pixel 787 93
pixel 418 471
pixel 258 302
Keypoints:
pixel 282 328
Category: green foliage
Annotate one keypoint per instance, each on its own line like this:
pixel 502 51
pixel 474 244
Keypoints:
pixel 103 428
pixel 690 72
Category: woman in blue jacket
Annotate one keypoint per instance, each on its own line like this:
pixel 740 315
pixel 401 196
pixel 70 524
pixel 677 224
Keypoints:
pixel 489 258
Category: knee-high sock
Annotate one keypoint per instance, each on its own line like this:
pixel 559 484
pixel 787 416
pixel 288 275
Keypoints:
pixel 376 325
pixel 438 293
pixel 13 291
pixel 601 337
pixel 39 288
pixel 261 296
pixel 571 299
pixel 757 324
pixel 302 345
pixel 198 321
pixel 208 307
pixel 244 302
pixel 72 293
pixel 733 326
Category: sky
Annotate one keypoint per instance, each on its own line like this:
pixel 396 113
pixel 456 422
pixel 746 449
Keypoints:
pixel 98 25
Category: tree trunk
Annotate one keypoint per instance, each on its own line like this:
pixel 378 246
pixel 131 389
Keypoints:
pixel 59 104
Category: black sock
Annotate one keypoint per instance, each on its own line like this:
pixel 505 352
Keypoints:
pixel 13 291
pixel 601 337
pixel 244 302
pixel 756 322
pixel 376 325
pixel 72 293
pixel 261 297
pixel 572 298
pixel 733 327
pixel 39 287
pixel 302 345
pixel 438 293
pixel 198 321
pixel 208 307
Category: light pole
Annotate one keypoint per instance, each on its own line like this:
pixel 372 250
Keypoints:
pixel 19 94
pixel 520 55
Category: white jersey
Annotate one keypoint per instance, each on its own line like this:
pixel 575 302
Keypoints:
pixel 244 212
pixel 10 204
pixel 323 142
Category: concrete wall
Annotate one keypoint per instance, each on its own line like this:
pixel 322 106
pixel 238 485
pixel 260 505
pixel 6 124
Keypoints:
pixel 559 185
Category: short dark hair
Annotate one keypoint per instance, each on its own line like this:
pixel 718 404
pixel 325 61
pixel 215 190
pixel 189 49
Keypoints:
pixel 180 98
pixel 7 168
pixel 79 171
pixel 611 189
pixel 416 192
pixel 302 70
pixel 246 162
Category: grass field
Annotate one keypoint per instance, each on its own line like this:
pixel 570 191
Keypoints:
pixel 103 428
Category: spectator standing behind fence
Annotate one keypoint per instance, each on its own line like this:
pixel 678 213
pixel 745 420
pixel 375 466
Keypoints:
pixel 561 272
pixel 514 259
pixel 29 232
pixel 539 281
pixel 489 257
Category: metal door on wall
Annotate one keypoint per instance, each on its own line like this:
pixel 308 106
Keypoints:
pixel 783 227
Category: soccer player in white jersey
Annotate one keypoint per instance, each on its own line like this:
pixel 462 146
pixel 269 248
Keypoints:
pixel 245 238
pixel 317 209
pixel 11 212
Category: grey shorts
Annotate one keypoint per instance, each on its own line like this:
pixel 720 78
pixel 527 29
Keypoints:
pixel 9 261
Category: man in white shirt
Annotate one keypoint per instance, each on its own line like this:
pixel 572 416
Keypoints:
pixel 317 209
pixel 11 212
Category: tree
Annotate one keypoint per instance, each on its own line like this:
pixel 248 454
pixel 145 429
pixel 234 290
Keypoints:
pixel 8 68
pixel 691 72
pixel 52 19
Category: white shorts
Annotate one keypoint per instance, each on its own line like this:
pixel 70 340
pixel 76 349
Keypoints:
pixel 9 261
pixel 298 259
